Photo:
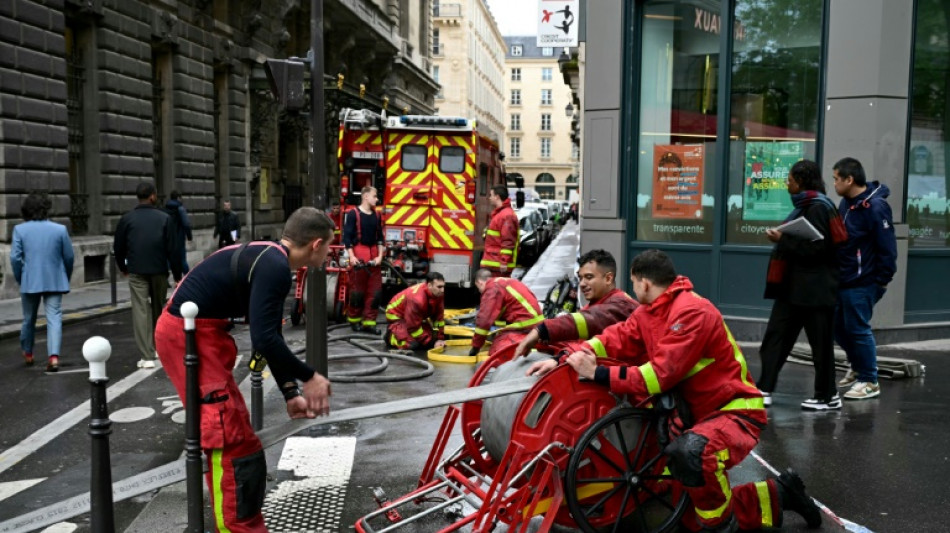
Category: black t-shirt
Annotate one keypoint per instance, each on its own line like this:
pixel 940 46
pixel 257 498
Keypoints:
pixel 211 287
pixel 371 231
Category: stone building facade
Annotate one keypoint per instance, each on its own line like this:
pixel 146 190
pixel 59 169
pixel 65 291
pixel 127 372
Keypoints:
pixel 99 95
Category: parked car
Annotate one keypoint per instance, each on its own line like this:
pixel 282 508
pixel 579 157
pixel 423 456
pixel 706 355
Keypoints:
pixel 546 224
pixel 529 248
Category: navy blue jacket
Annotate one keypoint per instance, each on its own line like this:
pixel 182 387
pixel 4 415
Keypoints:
pixel 870 254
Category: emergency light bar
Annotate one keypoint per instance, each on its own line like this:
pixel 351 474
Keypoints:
pixel 427 120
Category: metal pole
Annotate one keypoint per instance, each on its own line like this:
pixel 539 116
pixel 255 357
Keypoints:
pixel 193 460
pixel 96 350
pixel 112 277
pixel 257 401
pixel 317 278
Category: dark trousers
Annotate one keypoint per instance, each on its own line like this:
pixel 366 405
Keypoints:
pixel 785 323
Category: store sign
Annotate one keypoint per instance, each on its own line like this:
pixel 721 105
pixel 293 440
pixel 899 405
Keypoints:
pixel 767 164
pixel 558 22
pixel 678 181
pixel 709 22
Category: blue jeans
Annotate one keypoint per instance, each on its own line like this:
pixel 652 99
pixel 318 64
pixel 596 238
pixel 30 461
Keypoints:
pixel 853 328
pixel 53 302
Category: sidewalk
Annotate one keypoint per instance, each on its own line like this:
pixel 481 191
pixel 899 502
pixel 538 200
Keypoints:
pixel 558 259
pixel 80 304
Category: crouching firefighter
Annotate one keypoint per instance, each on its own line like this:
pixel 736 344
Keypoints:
pixel 363 240
pixel 677 341
pixel 508 304
pixel 248 280
pixel 416 316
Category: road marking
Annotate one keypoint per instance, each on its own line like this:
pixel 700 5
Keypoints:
pixel 10 488
pixel 39 438
pixel 131 414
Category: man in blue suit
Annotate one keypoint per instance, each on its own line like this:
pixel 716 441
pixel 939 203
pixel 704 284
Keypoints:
pixel 42 259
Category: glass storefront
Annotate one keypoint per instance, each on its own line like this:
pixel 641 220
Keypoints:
pixel 928 158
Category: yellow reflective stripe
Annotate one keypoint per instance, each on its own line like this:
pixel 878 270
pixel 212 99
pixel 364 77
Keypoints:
pixel 418 332
pixel 737 353
pixel 598 347
pixel 649 378
pixel 710 514
pixel 369 322
pixel 765 502
pixel 505 251
pixel 397 343
pixel 703 363
pixel 744 403
pixel 581 324
pixel 501 323
pixel 396 302
pixel 493 233
pixel 525 323
pixel 480 331
pixel 390 316
pixel 439 323
pixel 217 474
pixel 486 262
pixel 524 303
pixel 353 319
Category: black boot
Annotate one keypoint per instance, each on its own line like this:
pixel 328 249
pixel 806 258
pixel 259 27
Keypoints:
pixel 792 497
pixel 355 326
pixel 730 525
pixel 370 330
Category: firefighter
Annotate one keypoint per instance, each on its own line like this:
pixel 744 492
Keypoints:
pixel 607 305
pixel 363 240
pixel 223 287
pixel 416 315
pixel 677 340
pixel 506 303
pixel 334 215
pixel 501 237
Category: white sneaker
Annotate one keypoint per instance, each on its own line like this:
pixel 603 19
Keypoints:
pixel 850 377
pixel 815 404
pixel 766 398
pixel 863 391
pixel 146 363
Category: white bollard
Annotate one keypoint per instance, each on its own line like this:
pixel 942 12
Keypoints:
pixel 97 350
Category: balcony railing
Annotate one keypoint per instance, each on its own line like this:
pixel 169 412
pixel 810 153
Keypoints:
pixel 447 10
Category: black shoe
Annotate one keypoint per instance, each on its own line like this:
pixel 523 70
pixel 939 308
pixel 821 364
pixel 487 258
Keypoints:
pixel 729 526
pixel 355 326
pixel 791 491
pixel 370 330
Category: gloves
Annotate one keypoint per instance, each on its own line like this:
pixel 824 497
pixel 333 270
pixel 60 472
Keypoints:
pixel 474 351
pixel 415 345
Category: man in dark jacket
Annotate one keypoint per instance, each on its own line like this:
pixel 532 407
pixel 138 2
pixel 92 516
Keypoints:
pixel 176 210
pixel 868 262
pixel 144 247
pixel 228 226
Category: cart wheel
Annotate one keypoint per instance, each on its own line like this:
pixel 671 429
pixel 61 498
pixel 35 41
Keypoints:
pixel 616 478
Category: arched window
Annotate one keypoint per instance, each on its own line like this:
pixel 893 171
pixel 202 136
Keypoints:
pixel 545 191
pixel 571 185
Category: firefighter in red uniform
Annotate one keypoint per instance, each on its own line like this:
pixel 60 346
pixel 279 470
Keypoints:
pixel 501 237
pixel 334 215
pixel 249 280
pixel 607 305
pixel 363 239
pixel 677 339
pixel 416 315
pixel 506 303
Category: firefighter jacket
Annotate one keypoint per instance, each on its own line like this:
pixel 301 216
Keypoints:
pixel 615 306
pixel 679 341
pixel 501 239
pixel 508 304
pixel 414 315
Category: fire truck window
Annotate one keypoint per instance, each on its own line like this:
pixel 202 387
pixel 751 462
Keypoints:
pixel 483 178
pixel 414 157
pixel 452 159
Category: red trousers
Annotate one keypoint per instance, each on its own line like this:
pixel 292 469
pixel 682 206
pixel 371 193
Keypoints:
pixel 755 505
pixel 237 472
pixel 505 340
pixel 364 290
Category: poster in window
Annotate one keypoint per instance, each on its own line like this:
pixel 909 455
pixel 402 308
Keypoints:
pixel 765 195
pixel 678 181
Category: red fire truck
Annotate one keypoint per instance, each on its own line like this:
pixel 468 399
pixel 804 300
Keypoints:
pixel 433 175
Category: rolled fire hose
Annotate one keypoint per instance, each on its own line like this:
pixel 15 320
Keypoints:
pixel 498 414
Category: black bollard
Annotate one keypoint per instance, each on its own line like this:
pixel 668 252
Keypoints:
pixel 112 278
pixel 193 458
pixel 257 401
pixel 96 350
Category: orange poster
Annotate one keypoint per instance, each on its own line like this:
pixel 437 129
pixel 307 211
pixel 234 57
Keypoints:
pixel 678 181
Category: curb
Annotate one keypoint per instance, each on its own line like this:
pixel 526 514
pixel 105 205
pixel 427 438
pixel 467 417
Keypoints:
pixel 12 329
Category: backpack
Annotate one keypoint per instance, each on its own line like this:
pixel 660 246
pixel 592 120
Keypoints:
pixel 836 227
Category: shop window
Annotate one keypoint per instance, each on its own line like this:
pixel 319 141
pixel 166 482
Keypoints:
pixel 928 161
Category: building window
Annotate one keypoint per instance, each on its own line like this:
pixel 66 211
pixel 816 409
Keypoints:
pixel 545 148
pixel 516 122
pixel 516 50
pixel 575 152
pixel 545 96
pixel 547 51
pixel 516 97
pixel 516 74
pixel 544 186
pixel 436 44
pixel 545 122
pixel 546 74
pixel 435 76
pixel 515 147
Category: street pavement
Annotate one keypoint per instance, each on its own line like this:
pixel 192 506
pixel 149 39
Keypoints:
pixel 878 464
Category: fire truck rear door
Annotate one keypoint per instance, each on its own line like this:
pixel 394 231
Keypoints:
pixel 452 225
pixel 409 163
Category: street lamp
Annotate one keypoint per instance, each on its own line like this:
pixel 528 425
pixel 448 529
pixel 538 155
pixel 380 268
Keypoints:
pixel 569 109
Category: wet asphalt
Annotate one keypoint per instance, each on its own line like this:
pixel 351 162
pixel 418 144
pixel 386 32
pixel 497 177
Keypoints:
pixel 880 463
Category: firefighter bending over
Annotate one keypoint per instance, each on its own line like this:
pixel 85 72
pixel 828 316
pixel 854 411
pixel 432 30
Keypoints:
pixel 248 280
pixel 363 240
pixel 607 305
pixel 506 303
pixel 501 237
pixel 677 340
pixel 416 315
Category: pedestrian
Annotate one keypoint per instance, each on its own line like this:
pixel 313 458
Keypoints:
pixel 868 261
pixel 606 305
pixel 416 316
pixel 803 280
pixel 42 261
pixel 227 227
pixel 250 281
pixel 677 341
pixel 176 210
pixel 145 248
pixel 507 303
pixel 500 254
pixel 363 240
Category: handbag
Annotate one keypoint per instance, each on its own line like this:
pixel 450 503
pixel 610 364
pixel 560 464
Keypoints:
pixel 777 270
